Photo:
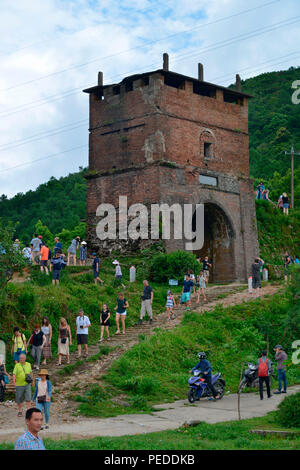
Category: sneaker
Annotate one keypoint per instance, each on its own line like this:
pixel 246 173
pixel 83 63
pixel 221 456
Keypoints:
pixel 140 322
pixel 277 392
pixel 283 391
pixel 101 339
pixel 150 321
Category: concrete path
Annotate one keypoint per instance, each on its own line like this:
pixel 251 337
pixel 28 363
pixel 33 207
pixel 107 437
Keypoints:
pixel 170 416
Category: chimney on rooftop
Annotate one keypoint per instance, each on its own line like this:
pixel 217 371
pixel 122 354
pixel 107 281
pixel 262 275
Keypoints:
pixel 100 78
pixel 200 72
pixel 166 61
pixel 238 83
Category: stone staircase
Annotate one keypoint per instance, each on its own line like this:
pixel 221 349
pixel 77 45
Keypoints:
pixel 120 343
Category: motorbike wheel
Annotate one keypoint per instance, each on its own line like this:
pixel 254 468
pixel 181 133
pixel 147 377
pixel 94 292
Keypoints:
pixel 219 387
pixel 192 395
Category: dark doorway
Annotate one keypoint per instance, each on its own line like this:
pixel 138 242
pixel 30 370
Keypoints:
pixel 218 243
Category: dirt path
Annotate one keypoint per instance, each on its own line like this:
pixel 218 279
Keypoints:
pixel 91 372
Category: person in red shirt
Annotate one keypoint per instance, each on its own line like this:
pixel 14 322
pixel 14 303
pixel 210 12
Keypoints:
pixel 44 259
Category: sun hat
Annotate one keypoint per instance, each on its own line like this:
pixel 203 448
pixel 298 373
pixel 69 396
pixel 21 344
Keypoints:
pixel 43 372
pixel 83 243
pixel 115 262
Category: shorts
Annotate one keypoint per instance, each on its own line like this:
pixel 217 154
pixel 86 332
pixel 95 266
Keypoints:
pixel 44 262
pixel 202 285
pixel 23 393
pixel 286 206
pixel 206 273
pixel 17 355
pixel 56 274
pixel 119 276
pixel 96 274
pixel 186 296
pixel 105 324
pixel 123 313
pixel 82 339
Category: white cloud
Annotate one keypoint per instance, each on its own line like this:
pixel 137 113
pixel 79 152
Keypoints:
pixel 43 37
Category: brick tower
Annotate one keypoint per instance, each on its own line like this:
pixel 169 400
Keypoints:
pixel 162 137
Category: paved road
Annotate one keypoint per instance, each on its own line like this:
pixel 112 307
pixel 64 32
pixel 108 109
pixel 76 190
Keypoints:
pixel 171 416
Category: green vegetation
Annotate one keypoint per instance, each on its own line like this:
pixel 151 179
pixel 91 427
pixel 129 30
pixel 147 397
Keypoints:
pixel 288 413
pixel 174 265
pixel 273 122
pixel 11 260
pixel 233 435
pixel 60 204
pixel 157 368
pixel 277 233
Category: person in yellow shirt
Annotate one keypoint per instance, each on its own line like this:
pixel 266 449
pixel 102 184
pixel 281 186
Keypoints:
pixel 19 345
pixel 21 379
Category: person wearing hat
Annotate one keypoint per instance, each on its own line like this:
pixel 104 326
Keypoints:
pixel 16 245
pixel 96 268
pixel 281 357
pixel 82 253
pixel 42 394
pixel 118 272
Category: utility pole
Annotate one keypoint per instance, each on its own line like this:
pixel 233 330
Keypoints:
pixel 292 173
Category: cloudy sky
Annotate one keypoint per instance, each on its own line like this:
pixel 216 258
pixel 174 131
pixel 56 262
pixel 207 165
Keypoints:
pixel 51 49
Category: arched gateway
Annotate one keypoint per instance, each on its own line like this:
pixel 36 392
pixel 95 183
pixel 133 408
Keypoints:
pixel 161 137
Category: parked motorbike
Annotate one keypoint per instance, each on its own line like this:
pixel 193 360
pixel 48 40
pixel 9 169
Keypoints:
pixel 250 378
pixel 199 388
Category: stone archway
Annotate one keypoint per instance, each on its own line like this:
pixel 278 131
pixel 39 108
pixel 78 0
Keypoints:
pixel 218 243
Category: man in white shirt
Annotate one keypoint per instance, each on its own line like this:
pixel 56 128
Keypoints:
pixel 35 248
pixel 82 323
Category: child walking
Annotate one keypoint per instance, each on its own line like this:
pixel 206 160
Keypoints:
pixel 104 322
pixel 121 307
pixel 202 286
pixel 170 304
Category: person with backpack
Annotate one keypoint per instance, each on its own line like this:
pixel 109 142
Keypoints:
pixel 19 345
pixel 58 263
pixel 22 379
pixel 264 370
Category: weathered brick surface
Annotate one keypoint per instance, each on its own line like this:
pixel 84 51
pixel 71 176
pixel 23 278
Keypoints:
pixel 133 132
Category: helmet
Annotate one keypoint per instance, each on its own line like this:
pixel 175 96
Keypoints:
pixel 202 355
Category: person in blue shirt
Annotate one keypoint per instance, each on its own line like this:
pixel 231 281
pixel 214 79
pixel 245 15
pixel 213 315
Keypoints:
pixel 30 440
pixel 205 367
pixel 57 246
pixel 188 286
pixel 96 268
pixel 297 261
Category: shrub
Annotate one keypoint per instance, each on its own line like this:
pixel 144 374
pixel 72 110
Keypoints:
pixel 165 266
pixel 26 302
pixel 288 413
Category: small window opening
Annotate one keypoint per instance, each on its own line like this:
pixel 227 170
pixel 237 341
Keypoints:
pixel 208 150
pixel 175 82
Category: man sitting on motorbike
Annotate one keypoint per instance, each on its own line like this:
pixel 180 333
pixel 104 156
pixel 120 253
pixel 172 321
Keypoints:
pixel 205 367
